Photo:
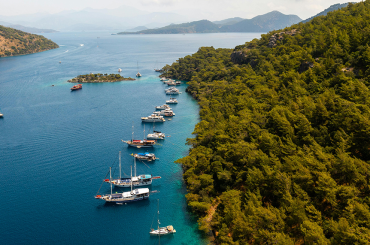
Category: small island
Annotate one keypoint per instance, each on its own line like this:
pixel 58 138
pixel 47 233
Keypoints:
pixel 99 78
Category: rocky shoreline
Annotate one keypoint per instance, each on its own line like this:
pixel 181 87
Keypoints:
pixel 100 78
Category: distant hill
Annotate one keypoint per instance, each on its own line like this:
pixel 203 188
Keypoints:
pixel 26 28
pixel 201 26
pixel 14 42
pixel 262 23
pixel 139 28
pixel 229 21
pixel 326 11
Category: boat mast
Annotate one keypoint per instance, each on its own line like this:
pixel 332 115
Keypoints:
pixel 131 178
pixel 120 175
pixel 144 131
pixel 159 231
pixel 135 165
pixel 110 180
pixel 132 136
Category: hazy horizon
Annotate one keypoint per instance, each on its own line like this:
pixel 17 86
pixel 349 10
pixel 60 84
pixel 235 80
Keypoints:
pixel 194 10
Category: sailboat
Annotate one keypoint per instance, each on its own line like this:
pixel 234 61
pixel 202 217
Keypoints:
pixel 119 69
pixel 129 196
pixel 156 67
pixel 141 180
pixel 161 231
pixel 139 143
pixel 138 73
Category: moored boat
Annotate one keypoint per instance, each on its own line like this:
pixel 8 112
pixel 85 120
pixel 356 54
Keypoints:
pixel 163 107
pixel 76 87
pixel 145 156
pixel 140 143
pixel 161 231
pixel 172 101
pixel 172 90
pixel 166 113
pixel 156 135
pixel 141 180
pixel 153 118
pixel 124 197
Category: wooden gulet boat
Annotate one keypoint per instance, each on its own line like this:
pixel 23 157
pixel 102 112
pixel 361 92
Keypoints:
pixel 141 180
pixel 139 143
pixel 124 197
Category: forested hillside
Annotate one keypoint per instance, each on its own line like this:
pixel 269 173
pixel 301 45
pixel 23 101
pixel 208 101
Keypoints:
pixel 282 152
pixel 15 42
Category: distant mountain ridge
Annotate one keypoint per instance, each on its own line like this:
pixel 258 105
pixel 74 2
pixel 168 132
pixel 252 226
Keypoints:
pixel 228 21
pixel 26 28
pixel 326 11
pixel 262 23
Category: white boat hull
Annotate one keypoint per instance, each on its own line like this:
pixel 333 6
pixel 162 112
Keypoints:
pixel 162 232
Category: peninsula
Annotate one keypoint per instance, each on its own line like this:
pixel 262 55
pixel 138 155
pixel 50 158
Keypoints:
pixel 281 154
pixel 99 78
pixel 14 42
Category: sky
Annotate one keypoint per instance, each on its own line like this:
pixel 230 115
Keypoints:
pixel 196 9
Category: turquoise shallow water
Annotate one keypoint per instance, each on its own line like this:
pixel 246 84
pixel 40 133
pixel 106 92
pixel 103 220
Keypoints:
pixel 56 146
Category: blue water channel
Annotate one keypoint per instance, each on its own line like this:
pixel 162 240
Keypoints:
pixel 56 146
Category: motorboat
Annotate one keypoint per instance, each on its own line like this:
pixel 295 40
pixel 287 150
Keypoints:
pixel 156 135
pixel 145 156
pixel 172 90
pixel 76 87
pixel 172 101
pixel 163 107
pixel 166 113
pixel 153 118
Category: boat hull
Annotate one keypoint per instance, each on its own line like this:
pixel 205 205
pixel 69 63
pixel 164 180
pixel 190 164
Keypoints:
pixel 151 120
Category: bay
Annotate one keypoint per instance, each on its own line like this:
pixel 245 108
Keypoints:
pixel 56 146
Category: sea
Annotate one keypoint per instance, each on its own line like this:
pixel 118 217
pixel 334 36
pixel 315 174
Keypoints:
pixel 56 146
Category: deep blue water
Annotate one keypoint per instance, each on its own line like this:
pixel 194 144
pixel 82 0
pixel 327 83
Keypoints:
pixel 56 146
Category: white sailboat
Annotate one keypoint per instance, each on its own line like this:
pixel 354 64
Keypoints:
pixel 138 73
pixel 129 196
pixel 141 180
pixel 161 231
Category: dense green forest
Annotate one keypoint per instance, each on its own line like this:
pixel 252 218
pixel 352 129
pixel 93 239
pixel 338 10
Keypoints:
pixel 282 152
pixel 15 42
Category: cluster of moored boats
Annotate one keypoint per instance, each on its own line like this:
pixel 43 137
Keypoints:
pixel 137 194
